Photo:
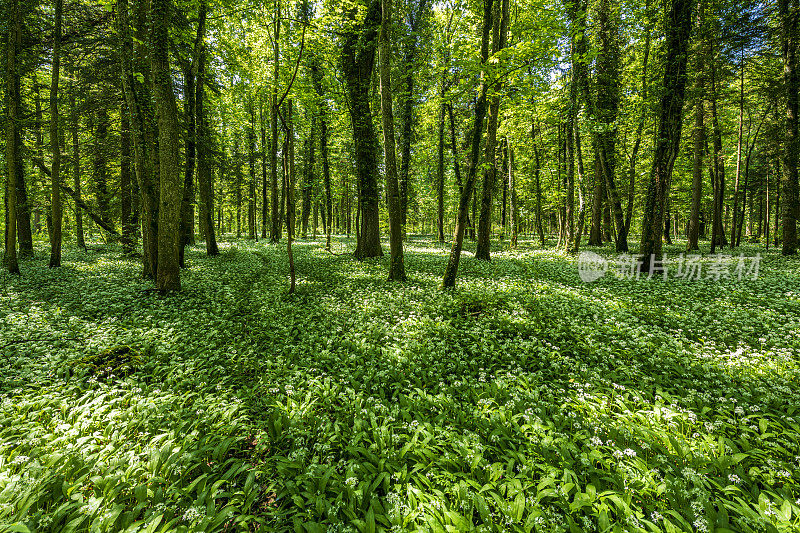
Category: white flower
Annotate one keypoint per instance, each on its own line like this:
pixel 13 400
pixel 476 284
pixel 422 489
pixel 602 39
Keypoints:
pixel 351 482
pixel 630 453
pixel 733 478
pixel 193 514
pixel 20 459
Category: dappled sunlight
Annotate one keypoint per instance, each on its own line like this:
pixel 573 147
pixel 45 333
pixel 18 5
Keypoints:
pixel 524 397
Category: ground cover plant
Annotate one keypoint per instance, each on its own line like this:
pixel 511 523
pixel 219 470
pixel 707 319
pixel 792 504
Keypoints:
pixel 523 400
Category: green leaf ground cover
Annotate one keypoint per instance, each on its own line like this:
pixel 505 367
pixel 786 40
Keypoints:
pixel 526 400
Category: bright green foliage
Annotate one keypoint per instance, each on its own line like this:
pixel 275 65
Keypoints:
pixel 524 401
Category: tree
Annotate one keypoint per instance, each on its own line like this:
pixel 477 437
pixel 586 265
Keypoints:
pixel 670 122
pixel 789 12
pixel 499 36
pixel 13 160
pixel 397 270
pixel 699 135
pixel 204 177
pixel 358 58
pixel 55 142
pixel 170 190
pixel 451 270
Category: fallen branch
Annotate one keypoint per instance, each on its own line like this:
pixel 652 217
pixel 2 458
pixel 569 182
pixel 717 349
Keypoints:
pixel 80 203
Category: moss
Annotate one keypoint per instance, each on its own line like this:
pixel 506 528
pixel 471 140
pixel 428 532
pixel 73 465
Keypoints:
pixel 119 361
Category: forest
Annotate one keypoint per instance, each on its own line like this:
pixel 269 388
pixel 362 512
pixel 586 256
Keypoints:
pixel 400 265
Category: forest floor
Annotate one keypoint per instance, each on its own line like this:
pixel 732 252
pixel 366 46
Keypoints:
pixel 525 400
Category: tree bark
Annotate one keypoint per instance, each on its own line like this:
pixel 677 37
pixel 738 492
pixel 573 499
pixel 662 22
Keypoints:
pixel 187 210
pixel 289 186
pixel 204 177
pixel 276 233
pixel 76 169
pixel 13 160
pixel 358 57
pixel 251 160
pixel 170 190
pixel 451 270
pixel 125 185
pixel 55 143
pixel 136 85
pixel 679 25
pixel 397 270
pixel 789 13
pixel 499 33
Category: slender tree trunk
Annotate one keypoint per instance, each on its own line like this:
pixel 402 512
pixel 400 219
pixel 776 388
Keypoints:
pixel 237 173
pixel 789 13
pixel 289 186
pixel 276 232
pixel 55 143
pixel 13 160
pixel 440 178
pixel 187 211
pixel 264 183
pixel 76 169
pixel 136 86
pixel 407 101
pixel 512 188
pixel 397 270
pixel 504 175
pixel 679 25
pixel 126 187
pixel 537 179
pixel 719 161
pixel 251 159
pixel 639 129
pixel 697 172
pixel 309 178
pixel 735 224
pixel 499 32
pixel 170 190
pixel 205 182
pixel 316 78
pixel 451 269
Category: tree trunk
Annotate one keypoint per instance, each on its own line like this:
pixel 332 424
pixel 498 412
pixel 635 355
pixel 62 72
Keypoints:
pixel 316 78
pixel 697 171
pixel 789 13
pixel 397 270
pixel 55 143
pixel 308 179
pixel 451 269
pixel 136 86
pixel 251 160
pixel 187 211
pixel 512 188
pixel 735 224
pixel 679 25
pixel 289 186
pixel 76 168
pixel 13 160
pixel 537 179
pixel 264 184
pixel 358 57
pixel 276 233
pixel 170 190
pixel 719 158
pixel 204 177
pixel 125 185
pixel 237 174
pixel 440 178
pixel 499 32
